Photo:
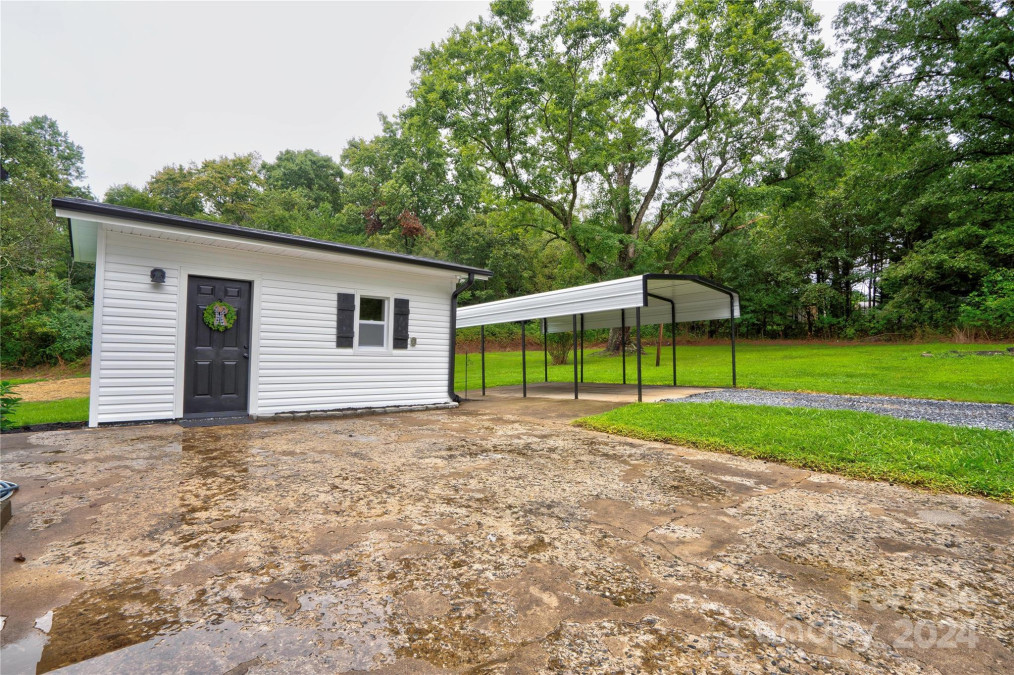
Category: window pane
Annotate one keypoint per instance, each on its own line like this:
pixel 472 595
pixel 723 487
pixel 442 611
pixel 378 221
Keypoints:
pixel 371 334
pixel 371 309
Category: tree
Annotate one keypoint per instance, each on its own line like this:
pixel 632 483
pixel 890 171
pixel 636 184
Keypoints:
pixel 39 145
pixel 125 194
pixel 991 308
pixel 228 187
pixel 44 315
pixel 225 188
pixel 406 184
pixel 172 190
pixel 638 141
pixel 942 70
pixel 316 176
pixel 39 162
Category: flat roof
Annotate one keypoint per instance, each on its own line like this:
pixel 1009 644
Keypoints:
pixel 608 304
pixel 88 207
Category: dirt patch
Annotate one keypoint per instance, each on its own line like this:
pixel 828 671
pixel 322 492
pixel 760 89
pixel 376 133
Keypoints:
pixel 54 390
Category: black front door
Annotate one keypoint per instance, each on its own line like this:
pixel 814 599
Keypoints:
pixel 217 366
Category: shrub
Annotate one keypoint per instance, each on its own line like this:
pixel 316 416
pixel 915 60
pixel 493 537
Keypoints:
pixel 8 401
pixel 559 345
pixel 42 321
pixel 991 306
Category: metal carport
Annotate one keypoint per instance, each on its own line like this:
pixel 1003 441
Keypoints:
pixel 646 298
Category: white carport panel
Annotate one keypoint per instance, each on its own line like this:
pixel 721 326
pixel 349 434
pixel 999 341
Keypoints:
pixel 694 302
pixel 601 304
pixel 606 295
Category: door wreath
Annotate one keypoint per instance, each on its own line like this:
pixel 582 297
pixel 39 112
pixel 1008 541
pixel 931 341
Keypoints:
pixel 219 316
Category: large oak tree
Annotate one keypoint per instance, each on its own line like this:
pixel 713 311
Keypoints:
pixel 640 139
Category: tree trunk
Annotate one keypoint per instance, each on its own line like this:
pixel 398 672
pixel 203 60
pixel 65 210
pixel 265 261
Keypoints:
pixel 613 346
pixel 658 347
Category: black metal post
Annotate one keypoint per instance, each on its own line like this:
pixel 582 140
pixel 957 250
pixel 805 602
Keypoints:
pixel 574 317
pixel 582 347
pixel 673 344
pixel 623 342
pixel 545 349
pixel 524 364
pixel 672 307
pixel 637 315
pixel 454 335
pixel 482 351
pixel 732 332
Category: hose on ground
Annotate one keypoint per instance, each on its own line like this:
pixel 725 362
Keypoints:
pixel 7 488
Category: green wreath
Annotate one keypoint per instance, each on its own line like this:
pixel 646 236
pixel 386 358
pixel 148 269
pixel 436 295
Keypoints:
pixel 219 316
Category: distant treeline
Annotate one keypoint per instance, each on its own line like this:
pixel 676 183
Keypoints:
pixel 588 145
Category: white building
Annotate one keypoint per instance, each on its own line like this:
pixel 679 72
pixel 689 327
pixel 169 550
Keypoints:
pixel 201 319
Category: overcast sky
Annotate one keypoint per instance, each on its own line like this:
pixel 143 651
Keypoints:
pixel 141 85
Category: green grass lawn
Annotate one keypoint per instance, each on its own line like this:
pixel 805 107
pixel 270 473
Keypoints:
pixel 853 444
pixel 48 412
pixel 893 370
pixel 23 380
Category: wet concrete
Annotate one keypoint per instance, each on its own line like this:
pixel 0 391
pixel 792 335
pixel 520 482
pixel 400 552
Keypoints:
pixel 493 538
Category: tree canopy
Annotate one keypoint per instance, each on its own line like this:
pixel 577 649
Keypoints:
pixel 588 142
pixel 640 140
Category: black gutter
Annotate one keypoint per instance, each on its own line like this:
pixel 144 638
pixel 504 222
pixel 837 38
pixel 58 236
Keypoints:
pixel 85 206
pixel 454 335
pixel 70 238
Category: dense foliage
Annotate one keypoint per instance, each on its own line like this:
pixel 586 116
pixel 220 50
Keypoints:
pixel 45 299
pixel 589 144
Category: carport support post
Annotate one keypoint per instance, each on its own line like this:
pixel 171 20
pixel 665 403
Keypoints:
pixel 524 365
pixel 673 325
pixel 637 315
pixel 582 347
pixel 482 352
pixel 672 308
pixel 623 342
pixel 732 333
pixel 574 317
pixel 545 349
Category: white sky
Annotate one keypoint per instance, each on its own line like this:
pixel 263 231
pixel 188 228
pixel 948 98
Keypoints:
pixel 140 85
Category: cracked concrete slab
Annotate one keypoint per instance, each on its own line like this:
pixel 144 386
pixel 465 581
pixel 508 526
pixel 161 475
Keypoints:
pixel 494 538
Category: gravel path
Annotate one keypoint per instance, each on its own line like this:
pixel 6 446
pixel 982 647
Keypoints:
pixel 956 413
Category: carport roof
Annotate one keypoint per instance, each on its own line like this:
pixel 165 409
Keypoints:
pixel 604 305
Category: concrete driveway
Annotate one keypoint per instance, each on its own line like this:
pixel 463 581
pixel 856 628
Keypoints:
pixel 494 538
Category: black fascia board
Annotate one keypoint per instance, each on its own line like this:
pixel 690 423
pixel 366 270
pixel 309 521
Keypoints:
pixel 88 207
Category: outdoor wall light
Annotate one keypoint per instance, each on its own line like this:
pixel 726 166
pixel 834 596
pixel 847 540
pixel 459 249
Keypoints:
pixel 158 276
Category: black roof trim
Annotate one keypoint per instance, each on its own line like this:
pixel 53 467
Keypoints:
pixel 86 206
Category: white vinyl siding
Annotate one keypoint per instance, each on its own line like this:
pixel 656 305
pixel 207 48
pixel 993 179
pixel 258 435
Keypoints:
pixel 294 363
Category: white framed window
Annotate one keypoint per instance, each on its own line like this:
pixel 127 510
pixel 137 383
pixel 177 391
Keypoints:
pixel 372 320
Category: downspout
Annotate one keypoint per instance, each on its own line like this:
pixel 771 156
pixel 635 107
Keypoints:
pixel 454 334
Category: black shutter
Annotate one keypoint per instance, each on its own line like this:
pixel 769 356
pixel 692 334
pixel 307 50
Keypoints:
pixel 400 323
pixel 346 319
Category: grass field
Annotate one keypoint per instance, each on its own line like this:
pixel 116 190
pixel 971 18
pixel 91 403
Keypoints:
pixel 893 370
pixel 47 412
pixel 23 380
pixel 853 444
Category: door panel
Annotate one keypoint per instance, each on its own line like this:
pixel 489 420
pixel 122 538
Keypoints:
pixel 217 369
